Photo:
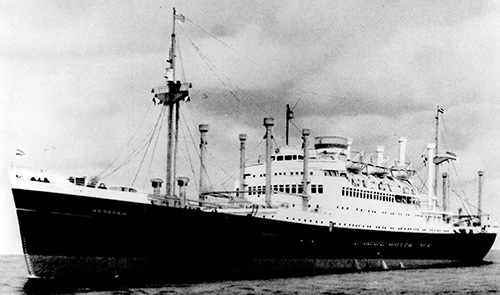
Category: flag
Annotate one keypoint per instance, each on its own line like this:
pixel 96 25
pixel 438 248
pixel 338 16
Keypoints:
pixel 19 152
pixel 180 17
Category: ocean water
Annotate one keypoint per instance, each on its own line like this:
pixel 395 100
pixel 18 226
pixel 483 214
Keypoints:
pixel 483 279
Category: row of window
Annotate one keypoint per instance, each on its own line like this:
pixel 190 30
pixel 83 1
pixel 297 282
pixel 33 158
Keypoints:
pixel 399 214
pixel 285 188
pixel 334 173
pixel 367 226
pixel 291 173
pixel 287 158
pixel 379 196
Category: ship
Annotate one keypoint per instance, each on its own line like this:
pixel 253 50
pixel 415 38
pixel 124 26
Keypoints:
pixel 315 208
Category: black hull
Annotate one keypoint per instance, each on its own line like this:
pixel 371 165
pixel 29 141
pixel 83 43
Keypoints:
pixel 74 236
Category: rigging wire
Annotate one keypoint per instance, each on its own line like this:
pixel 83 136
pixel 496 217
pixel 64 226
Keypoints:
pixel 208 33
pixel 295 126
pixel 127 144
pixel 231 176
pixel 212 67
pixel 224 80
pixel 182 62
pixel 242 56
pixel 463 198
pixel 190 161
pixel 156 142
pixel 129 158
pixel 319 94
pixel 194 144
pixel 149 142
pixel 131 155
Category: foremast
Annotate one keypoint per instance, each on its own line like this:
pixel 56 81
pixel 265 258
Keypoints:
pixel 171 95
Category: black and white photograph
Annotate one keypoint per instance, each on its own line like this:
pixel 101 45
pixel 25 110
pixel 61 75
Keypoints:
pixel 249 147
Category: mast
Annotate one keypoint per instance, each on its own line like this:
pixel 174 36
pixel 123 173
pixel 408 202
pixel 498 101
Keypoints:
pixel 289 116
pixel 177 104
pixel 171 95
pixel 243 138
pixel 430 180
pixel 305 175
pixel 170 80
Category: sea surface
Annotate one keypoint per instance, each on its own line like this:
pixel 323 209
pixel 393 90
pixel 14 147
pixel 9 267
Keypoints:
pixel 483 279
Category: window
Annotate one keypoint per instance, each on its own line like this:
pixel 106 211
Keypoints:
pixel 281 189
pixel 299 189
pixel 313 188
pixel 280 158
pixel 288 157
pixel 294 188
pixel 287 188
pixel 320 188
pixel 295 157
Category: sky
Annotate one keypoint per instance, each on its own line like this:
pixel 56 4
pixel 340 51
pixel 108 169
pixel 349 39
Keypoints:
pixel 76 80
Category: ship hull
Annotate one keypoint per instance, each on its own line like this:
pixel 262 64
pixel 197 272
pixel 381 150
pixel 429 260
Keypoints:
pixel 69 236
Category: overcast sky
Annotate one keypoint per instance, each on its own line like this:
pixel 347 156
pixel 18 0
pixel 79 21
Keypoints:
pixel 76 79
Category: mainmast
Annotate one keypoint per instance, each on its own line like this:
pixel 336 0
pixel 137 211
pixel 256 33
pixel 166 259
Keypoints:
pixel 176 132
pixel 170 79
pixel 171 95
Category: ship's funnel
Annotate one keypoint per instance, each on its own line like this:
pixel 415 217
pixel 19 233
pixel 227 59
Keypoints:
pixel 402 151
